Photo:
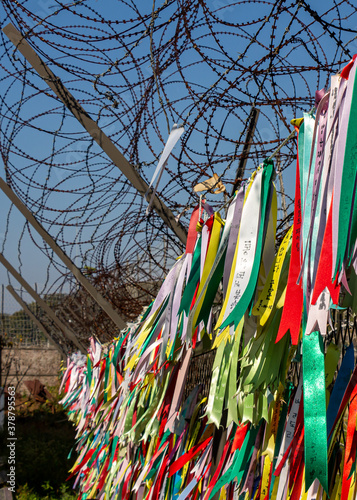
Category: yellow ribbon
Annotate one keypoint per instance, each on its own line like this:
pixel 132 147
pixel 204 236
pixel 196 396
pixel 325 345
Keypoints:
pixel 265 303
pixel 209 261
pixel 265 479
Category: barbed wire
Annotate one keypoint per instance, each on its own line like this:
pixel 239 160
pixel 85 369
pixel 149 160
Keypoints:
pixel 137 68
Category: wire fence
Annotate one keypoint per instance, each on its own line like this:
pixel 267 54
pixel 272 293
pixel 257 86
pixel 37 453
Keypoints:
pixel 16 328
pixel 137 69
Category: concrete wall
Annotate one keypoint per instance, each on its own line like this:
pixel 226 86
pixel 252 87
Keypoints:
pixel 28 363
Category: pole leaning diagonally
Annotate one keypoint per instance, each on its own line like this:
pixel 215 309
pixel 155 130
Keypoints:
pixel 93 129
pixel 101 301
pixel 67 332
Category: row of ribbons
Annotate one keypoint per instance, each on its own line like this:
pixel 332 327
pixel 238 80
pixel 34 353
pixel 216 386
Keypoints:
pixel 261 433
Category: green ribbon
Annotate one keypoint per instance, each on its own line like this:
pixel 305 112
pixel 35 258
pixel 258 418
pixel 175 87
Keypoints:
pixel 193 279
pixel 240 462
pixel 156 464
pixel 313 365
pixel 249 408
pixel 218 385
pixel 348 187
pixel 129 417
pixel 232 383
pixel 114 445
pixel 266 357
pixel 106 377
pixel 149 427
pixel 74 396
pixel 135 434
pixel 154 326
pixel 89 372
pixel 214 380
pixel 301 151
pixel 242 305
pixel 116 351
pixel 262 407
pixel 146 313
pixel 211 290
pixel 306 132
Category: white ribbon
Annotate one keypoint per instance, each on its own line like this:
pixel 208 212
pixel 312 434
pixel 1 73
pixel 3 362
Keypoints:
pixel 174 136
pixel 318 314
pixel 290 426
pixel 248 235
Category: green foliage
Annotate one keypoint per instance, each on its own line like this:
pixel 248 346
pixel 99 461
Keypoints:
pixel 27 493
pixel 27 405
pixel 44 441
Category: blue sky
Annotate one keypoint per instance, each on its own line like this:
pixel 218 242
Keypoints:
pixel 73 146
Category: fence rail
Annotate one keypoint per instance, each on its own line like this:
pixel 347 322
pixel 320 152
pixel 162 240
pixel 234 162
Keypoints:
pixel 16 328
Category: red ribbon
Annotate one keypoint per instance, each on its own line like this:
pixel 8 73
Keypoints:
pixel 324 270
pixel 186 457
pixel 345 73
pixel 350 449
pixel 218 470
pixel 292 310
pixel 104 473
pixel 192 231
pixel 160 478
pixel 165 408
pixel 296 459
pixel 295 495
pixel 67 383
pixel 84 461
pixel 240 436
pixel 125 487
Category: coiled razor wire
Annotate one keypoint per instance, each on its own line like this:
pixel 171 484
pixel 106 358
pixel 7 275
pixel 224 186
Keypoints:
pixel 137 68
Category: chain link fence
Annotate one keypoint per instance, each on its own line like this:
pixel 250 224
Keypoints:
pixel 16 328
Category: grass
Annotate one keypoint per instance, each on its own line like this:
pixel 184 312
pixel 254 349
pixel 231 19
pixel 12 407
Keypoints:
pixel 27 493
pixel 45 438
